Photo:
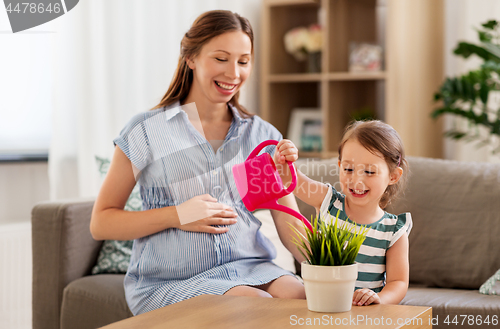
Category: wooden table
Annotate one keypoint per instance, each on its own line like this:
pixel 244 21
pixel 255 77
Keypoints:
pixel 211 311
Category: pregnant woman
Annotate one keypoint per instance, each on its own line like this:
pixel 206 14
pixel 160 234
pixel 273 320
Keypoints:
pixel 194 235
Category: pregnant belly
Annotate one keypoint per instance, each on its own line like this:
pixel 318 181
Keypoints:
pixel 177 255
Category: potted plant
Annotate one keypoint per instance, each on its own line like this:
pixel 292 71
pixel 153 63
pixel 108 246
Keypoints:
pixel 329 271
pixel 467 95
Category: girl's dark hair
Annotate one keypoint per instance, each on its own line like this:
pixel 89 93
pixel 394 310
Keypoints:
pixel 380 138
pixel 207 26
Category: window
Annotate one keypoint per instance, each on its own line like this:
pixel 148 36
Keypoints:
pixel 26 82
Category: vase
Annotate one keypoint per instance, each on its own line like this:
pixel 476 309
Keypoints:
pixel 329 288
pixel 314 62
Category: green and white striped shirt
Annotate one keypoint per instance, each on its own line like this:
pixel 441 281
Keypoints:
pixel 381 236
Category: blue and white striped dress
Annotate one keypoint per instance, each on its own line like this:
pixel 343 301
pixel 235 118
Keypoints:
pixel 175 163
pixel 381 236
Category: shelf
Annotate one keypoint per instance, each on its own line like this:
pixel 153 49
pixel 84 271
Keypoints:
pixel 398 95
pixel 303 154
pixel 339 94
pixel 336 76
pixel 284 18
pixel 296 77
pixel 292 2
pixel 341 76
pixel 318 155
pixel 284 97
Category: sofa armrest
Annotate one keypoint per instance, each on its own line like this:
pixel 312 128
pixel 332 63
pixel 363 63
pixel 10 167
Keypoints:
pixel 63 250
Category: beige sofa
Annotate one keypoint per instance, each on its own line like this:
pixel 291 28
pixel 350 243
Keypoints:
pixel 454 248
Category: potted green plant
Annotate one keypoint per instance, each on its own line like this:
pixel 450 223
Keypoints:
pixel 329 271
pixel 467 95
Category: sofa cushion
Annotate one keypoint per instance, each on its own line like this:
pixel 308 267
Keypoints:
pixel 114 257
pixel 456 222
pixel 455 302
pixel 94 301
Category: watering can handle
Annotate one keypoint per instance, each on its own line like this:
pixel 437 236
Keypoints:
pixel 293 172
pixel 259 147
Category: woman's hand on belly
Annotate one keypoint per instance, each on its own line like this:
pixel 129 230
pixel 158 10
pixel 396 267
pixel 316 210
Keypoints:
pixel 201 213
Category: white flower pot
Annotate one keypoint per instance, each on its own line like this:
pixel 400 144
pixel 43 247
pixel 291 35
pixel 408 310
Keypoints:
pixel 329 288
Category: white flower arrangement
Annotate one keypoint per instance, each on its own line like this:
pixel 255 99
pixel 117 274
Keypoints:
pixel 301 41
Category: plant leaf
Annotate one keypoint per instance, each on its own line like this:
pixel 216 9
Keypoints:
pixel 466 49
pixel 491 24
pixel 483 92
pixel 329 244
pixel 494 51
pixel 484 36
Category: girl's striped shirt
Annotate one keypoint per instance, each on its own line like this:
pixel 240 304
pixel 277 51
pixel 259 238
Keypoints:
pixel 381 236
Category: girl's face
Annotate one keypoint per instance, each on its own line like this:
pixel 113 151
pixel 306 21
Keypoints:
pixel 222 66
pixel 364 176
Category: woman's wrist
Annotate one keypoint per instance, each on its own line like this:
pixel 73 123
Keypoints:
pixel 171 217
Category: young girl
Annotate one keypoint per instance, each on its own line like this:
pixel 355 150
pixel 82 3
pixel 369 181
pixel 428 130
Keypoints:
pixel 195 235
pixel 373 170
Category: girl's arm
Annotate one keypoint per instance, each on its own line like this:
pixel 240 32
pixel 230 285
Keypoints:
pixel 397 276
pixel 310 191
pixel 397 272
pixel 110 221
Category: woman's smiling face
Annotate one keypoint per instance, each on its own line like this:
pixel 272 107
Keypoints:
pixel 221 68
pixel 364 176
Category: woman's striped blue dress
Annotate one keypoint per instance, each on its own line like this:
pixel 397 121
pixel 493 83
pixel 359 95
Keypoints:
pixel 173 163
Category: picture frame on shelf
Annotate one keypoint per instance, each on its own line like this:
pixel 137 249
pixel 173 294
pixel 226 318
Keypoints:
pixel 365 57
pixel 305 129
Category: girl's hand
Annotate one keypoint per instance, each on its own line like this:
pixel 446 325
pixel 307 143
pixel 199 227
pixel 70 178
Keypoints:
pixel 364 297
pixel 285 151
pixel 201 213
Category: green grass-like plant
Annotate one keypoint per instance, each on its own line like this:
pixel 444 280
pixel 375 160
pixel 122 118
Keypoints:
pixel 330 245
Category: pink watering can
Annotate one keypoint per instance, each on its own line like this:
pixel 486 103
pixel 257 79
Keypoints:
pixel 260 185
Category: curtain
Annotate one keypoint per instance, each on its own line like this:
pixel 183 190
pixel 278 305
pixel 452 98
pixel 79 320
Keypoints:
pixel 114 59
pixel 461 17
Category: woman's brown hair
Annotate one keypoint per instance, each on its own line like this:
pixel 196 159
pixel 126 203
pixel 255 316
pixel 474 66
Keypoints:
pixel 207 26
pixel 380 139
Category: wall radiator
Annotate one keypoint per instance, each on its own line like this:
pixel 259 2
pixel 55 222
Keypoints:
pixel 15 275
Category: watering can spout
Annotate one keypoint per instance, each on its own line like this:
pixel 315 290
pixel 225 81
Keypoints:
pixel 259 184
pixel 276 206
